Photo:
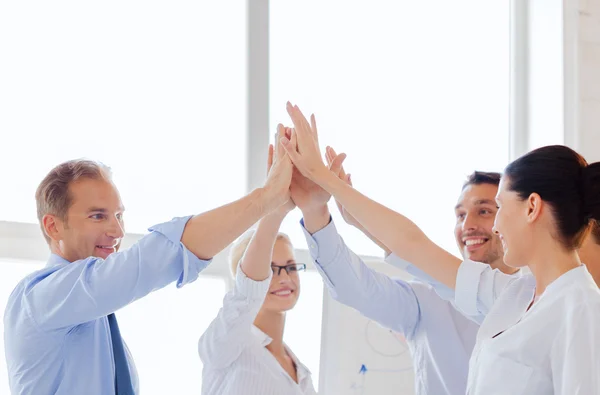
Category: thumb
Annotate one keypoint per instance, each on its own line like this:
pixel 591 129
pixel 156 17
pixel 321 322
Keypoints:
pixel 336 164
pixel 349 180
pixel 270 158
pixel 290 148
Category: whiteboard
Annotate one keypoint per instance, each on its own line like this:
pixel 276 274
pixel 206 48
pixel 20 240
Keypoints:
pixel 358 356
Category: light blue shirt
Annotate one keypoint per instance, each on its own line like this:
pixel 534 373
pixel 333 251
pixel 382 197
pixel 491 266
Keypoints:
pixel 57 338
pixel 439 337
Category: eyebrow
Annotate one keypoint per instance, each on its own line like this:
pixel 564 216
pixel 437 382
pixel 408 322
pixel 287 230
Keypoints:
pixel 103 210
pixel 478 203
pixel 287 263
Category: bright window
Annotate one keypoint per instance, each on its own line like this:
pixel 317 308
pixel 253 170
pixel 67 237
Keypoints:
pixel 156 90
pixel 416 93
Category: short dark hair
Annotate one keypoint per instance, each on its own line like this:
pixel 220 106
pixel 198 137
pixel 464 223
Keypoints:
pixel 482 177
pixel 566 182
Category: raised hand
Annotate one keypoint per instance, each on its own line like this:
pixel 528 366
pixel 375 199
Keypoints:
pixel 335 166
pixel 280 169
pixel 303 145
pixel 307 195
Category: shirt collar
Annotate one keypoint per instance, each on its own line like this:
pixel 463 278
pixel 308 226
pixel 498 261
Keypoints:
pixel 265 340
pixel 579 273
pixel 261 336
pixel 56 260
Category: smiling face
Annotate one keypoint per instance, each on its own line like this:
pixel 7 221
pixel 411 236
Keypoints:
pixel 512 226
pixel 285 288
pixel 94 222
pixel 475 214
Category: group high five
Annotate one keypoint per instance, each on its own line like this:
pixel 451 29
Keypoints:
pixel 478 325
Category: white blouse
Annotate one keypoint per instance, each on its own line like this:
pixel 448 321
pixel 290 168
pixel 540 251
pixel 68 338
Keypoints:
pixel 552 348
pixel 233 350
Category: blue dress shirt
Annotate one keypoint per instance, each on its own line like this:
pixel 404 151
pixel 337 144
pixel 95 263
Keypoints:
pixel 57 337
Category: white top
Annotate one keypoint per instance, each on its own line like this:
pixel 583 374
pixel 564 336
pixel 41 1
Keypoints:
pixel 233 350
pixel 552 348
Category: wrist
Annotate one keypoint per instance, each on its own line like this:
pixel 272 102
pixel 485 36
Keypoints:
pixel 268 199
pixel 316 219
pixel 279 213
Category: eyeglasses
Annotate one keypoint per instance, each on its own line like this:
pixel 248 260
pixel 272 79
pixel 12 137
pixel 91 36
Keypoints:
pixel 289 269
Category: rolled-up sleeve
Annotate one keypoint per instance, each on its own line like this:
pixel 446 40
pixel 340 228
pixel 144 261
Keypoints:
pixel 88 289
pixel 478 286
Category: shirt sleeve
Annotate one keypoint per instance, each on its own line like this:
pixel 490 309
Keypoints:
pixel 390 302
pixel 442 290
pixel 85 290
pixel 478 286
pixel 575 360
pixel 231 331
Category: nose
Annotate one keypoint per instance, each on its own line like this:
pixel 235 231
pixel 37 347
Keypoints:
pixel 469 223
pixel 283 276
pixel 115 229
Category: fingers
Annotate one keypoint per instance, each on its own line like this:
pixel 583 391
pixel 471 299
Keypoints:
pixel 300 123
pixel 313 126
pixel 277 147
pixel 270 158
pixel 336 165
pixel 289 145
pixel 331 155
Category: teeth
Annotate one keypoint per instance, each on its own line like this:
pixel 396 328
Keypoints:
pixel 474 241
pixel 283 293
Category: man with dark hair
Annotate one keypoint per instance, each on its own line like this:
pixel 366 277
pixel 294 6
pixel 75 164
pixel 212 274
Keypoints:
pixel 440 337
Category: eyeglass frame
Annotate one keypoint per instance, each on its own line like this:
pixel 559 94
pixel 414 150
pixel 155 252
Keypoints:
pixel 300 267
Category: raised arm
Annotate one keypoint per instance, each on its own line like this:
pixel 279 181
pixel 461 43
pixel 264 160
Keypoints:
pixel 231 331
pixel 394 230
pixel 71 293
pixel 207 234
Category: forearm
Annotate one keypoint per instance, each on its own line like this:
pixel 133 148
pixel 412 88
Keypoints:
pixel 374 239
pixel 393 230
pixel 257 258
pixel 208 233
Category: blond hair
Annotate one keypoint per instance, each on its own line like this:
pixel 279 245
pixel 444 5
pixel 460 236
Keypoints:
pixel 52 195
pixel 239 247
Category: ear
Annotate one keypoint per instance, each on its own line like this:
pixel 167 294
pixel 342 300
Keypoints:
pixel 52 227
pixel 535 206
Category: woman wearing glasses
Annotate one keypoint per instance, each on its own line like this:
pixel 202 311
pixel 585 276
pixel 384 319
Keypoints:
pixel 243 350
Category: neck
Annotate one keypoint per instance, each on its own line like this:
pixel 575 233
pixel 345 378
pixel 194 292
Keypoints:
pixel 593 262
pixel 551 262
pixel 273 324
pixel 55 249
pixel 503 267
